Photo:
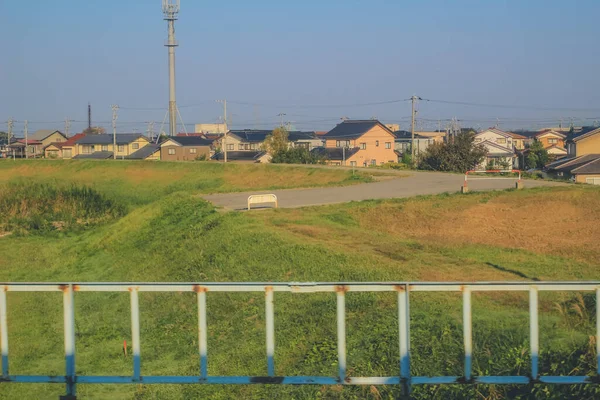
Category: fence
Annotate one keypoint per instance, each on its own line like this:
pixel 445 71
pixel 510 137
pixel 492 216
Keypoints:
pixel 403 290
pixel 519 182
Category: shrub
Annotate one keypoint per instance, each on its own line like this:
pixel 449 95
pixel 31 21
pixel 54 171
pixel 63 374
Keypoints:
pixel 42 207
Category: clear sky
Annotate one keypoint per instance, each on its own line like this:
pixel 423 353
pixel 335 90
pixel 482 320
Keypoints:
pixel 316 61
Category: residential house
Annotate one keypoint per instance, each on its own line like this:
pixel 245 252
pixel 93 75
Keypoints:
pixel 127 144
pixel 437 136
pixel 25 149
pixel 549 138
pixel 403 142
pixel 518 141
pixel 500 149
pixel 185 148
pixel 368 142
pixel 64 150
pixel 256 156
pixel 150 151
pixel 253 140
pixel 587 141
pixel 582 164
pixel 47 136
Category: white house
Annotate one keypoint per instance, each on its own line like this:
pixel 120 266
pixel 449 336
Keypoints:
pixel 500 147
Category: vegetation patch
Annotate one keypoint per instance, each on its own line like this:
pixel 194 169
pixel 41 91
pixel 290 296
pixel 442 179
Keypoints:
pixel 44 207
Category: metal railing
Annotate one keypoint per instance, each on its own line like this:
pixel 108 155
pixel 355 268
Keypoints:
pixel 403 290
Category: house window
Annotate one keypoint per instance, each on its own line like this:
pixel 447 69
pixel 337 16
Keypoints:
pixel 342 143
pixel 31 149
pixel 501 141
pixel 86 149
pixel 253 146
pixel 353 163
pixel 363 146
pixel 135 146
pixel 193 151
pixel 121 148
pixel 171 152
pixel 240 147
pixel 373 162
pixel 478 139
pixel 388 145
pixel 552 141
pixel 104 147
pixel 230 147
pixel 377 143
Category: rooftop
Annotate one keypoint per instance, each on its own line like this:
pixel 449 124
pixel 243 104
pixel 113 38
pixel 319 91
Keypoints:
pixel 122 138
pixel 353 129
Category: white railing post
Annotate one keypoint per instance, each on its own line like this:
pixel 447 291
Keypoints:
pixel 534 331
pixel 467 333
pixel 341 333
pixel 69 331
pixel 404 334
pixel 135 333
pixel 270 331
pixel 3 332
pixel 202 334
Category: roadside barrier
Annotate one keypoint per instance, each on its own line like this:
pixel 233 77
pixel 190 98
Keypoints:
pixel 402 289
pixel 465 187
pixel 262 199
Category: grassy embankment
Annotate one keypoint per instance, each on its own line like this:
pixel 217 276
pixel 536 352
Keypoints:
pixel 172 235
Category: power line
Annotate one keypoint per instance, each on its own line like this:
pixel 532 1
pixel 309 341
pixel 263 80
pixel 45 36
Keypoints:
pixel 511 106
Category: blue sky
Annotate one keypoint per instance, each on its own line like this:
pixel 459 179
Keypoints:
pixel 316 61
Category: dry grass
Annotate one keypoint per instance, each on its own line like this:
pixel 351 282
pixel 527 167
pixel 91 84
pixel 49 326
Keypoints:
pixel 561 222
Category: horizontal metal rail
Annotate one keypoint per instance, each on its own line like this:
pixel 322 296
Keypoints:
pixel 403 290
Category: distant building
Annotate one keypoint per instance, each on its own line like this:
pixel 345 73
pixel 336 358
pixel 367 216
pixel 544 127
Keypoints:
pixel 403 142
pixel 211 128
pixel 127 144
pixel 185 148
pixel 252 140
pixel 500 147
pixel 359 143
pixel 393 127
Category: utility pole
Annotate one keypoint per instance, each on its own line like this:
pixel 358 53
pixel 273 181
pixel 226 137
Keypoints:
pixel 89 118
pixel 281 115
pixel 67 126
pixel 11 123
pixel 26 129
pixel 224 102
pixel 170 10
pixel 413 99
pixel 115 115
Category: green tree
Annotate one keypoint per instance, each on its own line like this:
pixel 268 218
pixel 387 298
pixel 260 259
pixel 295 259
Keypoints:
pixel 458 154
pixel 3 137
pixel 295 155
pixel 277 141
pixel 94 130
pixel 537 156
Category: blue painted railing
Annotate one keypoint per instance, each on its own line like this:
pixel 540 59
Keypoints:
pixel 403 290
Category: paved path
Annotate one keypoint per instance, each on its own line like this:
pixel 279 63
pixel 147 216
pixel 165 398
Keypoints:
pixel 417 183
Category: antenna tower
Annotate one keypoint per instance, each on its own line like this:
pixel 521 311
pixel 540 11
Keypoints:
pixel 170 10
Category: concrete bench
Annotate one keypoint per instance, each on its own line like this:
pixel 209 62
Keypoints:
pixel 261 199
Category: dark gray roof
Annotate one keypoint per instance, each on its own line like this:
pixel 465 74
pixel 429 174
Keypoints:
pixel 334 153
pixel 408 135
pixel 122 138
pixel 144 152
pixel 97 155
pixel 239 155
pixel 259 136
pixel 593 167
pixel 352 129
pixel 192 140
pixel 575 136
pixel 570 164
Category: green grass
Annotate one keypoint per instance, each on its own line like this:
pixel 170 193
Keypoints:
pixel 173 235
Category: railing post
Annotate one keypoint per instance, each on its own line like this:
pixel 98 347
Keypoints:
pixel 341 333
pixel 598 330
pixel 3 332
pixel 534 331
pixel 404 330
pixel 69 327
pixel 467 332
pixel 135 332
pixel 202 334
pixel 270 322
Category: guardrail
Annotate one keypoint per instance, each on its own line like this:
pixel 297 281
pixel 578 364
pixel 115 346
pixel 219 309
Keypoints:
pixel 403 290
pixel 262 199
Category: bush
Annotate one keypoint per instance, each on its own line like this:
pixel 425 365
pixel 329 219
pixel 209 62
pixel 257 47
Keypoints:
pixel 461 154
pixel 42 207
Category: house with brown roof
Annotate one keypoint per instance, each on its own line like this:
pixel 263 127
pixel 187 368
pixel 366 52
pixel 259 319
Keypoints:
pixel 359 143
pixel 185 148
pixel 583 162
pixel 550 138
pixel 63 150
pixel 47 136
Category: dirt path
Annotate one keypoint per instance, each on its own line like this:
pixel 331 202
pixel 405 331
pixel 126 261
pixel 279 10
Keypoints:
pixel 416 183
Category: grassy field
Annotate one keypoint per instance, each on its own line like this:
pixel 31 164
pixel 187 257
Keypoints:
pixel 167 233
